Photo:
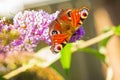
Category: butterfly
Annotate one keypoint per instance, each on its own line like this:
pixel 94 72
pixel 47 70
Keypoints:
pixel 64 28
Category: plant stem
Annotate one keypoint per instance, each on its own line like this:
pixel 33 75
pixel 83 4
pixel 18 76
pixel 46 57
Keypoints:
pixel 75 47
pixel 93 40
pixel 17 71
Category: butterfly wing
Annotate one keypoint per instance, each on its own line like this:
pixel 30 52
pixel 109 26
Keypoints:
pixel 67 27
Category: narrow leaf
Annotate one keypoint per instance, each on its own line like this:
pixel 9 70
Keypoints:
pixel 66 57
pixel 93 52
pixel 117 30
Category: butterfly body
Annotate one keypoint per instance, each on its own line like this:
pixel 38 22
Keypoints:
pixel 66 24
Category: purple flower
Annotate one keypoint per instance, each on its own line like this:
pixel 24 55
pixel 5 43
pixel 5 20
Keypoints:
pixel 78 34
pixel 32 27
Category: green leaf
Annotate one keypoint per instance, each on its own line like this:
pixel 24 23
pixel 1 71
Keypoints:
pixel 103 43
pixel 117 30
pixel 66 57
pixel 93 52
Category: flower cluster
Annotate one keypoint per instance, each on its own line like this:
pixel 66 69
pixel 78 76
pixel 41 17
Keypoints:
pixel 31 27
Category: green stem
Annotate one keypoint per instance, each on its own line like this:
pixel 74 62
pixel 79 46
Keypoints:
pixel 93 40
